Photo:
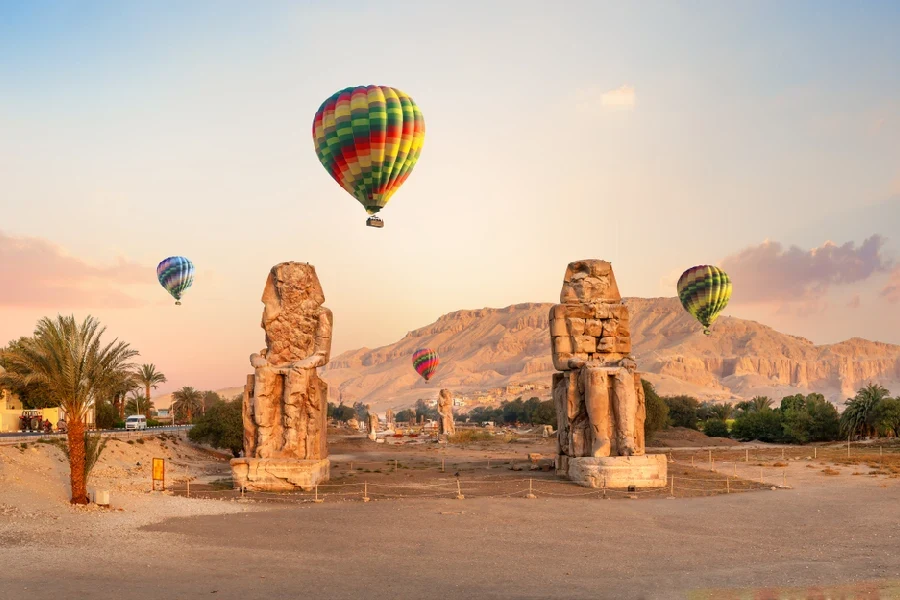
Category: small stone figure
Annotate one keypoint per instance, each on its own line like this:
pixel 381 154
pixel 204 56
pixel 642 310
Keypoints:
pixel 445 410
pixel 372 422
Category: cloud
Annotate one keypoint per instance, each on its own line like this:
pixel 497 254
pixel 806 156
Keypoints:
pixel 855 302
pixel 768 273
pixel 621 98
pixel 36 273
pixel 891 289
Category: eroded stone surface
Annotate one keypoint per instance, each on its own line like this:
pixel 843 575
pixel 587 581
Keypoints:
pixel 273 474
pixel 646 471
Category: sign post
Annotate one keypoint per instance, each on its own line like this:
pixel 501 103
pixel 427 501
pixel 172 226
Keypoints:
pixel 159 474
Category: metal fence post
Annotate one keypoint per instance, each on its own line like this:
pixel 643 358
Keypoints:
pixel 530 494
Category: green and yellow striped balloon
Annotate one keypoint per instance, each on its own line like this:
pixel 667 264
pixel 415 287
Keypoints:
pixel 704 292
pixel 369 138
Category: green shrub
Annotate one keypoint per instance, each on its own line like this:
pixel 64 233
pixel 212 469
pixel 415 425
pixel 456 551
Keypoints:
pixel 715 428
pixel 764 425
pixel 656 409
pixel 683 411
pixel 222 426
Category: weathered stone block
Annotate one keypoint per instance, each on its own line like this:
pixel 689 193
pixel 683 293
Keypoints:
pixel 584 343
pixel 562 344
pixel 561 360
pixel 278 474
pixel 623 345
pixel 575 326
pixel 601 311
pixel 558 327
pixel 646 471
pixel 593 327
pixel 618 311
pixel 606 344
pixel 610 327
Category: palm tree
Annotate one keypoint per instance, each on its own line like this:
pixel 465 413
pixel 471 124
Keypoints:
pixel 860 413
pixel 121 383
pixel 150 378
pixel 761 403
pixel 137 404
pixel 185 401
pixel 68 358
pixel 723 411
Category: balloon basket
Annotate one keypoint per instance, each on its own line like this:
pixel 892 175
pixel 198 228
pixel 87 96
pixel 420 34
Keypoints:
pixel 177 303
pixel 707 332
pixel 374 222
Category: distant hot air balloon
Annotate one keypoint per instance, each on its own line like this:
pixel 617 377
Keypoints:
pixel 176 274
pixel 369 138
pixel 425 361
pixel 704 291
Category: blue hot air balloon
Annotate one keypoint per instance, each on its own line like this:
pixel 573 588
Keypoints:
pixel 176 274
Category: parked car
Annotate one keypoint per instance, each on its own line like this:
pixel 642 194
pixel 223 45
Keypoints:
pixel 136 422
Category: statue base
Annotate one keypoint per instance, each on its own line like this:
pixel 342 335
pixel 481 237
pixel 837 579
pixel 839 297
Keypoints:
pixel 279 474
pixel 644 471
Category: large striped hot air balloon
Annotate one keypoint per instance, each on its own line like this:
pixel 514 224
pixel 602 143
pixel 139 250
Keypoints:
pixel 704 291
pixel 425 361
pixel 176 274
pixel 369 138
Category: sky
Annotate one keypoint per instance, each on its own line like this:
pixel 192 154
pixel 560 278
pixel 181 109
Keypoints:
pixel 763 137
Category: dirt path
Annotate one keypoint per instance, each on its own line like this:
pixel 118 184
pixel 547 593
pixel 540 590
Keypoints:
pixel 825 531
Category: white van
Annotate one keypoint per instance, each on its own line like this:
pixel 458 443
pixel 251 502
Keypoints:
pixel 136 422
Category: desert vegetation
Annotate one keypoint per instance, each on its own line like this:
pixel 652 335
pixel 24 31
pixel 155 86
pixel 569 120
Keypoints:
pixel 69 365
pixel 798 419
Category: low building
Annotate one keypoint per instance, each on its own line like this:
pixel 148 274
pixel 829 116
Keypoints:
pixel 11 410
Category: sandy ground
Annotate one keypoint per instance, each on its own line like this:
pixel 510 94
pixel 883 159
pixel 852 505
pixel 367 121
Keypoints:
pixel 826 530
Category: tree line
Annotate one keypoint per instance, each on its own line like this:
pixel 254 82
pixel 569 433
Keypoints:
pixel 797 419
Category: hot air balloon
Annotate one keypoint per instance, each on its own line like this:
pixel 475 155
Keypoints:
pixel 369 138
pixel 425 361
pixel 176 274
pixel 704 291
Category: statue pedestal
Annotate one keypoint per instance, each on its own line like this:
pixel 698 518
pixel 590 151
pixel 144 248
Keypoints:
pixel 645 471
pixel 279 474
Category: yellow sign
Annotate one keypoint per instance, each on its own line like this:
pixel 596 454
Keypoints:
pixel 159 471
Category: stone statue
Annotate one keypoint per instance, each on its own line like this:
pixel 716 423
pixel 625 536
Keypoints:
pixel 445 410
pixel 284 408
pixel 372 422
pixel 598 393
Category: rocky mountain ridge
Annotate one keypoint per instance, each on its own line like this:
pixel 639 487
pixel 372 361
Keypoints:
pixel 488 355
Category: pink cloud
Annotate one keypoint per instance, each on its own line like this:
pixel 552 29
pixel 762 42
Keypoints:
pixel 891 289
pixel 768 273
pixel 37 273
pixel 855 302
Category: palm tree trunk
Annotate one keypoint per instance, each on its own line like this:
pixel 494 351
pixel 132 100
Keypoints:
pixel 76 461
pixel 147 406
